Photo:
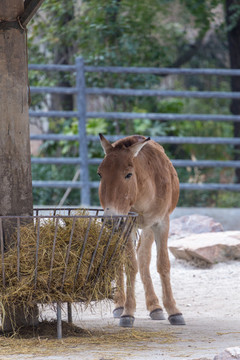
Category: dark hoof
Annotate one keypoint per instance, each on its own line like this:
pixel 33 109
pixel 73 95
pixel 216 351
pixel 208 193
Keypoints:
pixel 118 312
pixel 157 314
pixel 176 319
pixel 126 321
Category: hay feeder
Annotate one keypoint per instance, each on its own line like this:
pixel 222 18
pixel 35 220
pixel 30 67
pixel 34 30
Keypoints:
pixel 60 255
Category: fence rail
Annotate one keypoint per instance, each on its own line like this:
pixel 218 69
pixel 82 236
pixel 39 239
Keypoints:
pixel 161 139
pixel 127 115
pixel 136 70
pixel 81 91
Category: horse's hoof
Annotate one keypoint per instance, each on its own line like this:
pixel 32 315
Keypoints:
pixel 126 321
pixel 157 314
pixel 176 319
pixel 118 312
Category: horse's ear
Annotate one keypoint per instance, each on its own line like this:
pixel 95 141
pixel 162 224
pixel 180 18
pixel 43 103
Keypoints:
pixel 105 144
pixel 135 148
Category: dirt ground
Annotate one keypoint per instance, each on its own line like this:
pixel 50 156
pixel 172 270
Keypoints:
pixel 208 298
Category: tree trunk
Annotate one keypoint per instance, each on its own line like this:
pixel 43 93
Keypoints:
pixel 62 55
pixel 15 159
pixel 233 24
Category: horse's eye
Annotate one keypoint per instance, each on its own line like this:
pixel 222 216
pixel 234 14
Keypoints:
pixel 99 175
pixel 128 176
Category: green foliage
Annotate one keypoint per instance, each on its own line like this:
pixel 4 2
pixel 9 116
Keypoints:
pixel 204 12
pixel 145 33
pixel 52 196
pixel 234 10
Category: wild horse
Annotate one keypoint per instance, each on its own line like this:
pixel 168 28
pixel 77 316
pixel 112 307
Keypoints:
pixel 136 175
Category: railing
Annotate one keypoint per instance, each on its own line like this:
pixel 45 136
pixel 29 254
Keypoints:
pixel 80 91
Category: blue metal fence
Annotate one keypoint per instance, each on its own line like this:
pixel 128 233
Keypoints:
pixel 80 91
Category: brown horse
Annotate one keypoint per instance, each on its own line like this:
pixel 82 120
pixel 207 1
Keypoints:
pixel 136 175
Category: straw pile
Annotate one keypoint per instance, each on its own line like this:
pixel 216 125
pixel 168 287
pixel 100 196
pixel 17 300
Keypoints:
pixel 49 273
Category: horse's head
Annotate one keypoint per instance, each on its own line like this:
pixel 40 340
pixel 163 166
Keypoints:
pixel 118 186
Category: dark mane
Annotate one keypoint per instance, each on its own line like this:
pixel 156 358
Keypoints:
pixel 128 141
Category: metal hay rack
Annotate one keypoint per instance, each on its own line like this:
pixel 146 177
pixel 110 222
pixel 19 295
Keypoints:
pixel 11 238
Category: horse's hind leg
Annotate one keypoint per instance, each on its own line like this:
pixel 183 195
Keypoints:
pixel 144 259
pixel 163 266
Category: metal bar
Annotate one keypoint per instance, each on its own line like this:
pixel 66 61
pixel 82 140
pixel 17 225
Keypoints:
pixel 177 163
pixel 54 137
pixel 69 311
pixel 132 115
pixel 160 139
pixel 128 231
pixel 57 184
pixel 59 321
pixel 52 90
pixel 210 186
pixel 95 184
pixel 163 116
pixel 53 252
pixel 206 163
pixel 117 242
pixel 36 260
pixel 51 67
pixel 57 161
pixel 64 160
pixel 137 70
pixel 47 209
pixel 115 223
pixel 95 250
pixel 82 251
pixel 2 253
pixel 180 140
pixel 83 144
pixel 18 248
pixel 68 252
pixel 163 93
pixel 162 71
pixel 64 114
pixel 196 140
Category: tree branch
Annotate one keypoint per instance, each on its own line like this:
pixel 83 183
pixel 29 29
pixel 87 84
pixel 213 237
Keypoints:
pixel 30 9
pixel 189 53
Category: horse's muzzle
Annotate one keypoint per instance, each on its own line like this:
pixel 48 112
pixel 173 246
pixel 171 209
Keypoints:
pixel 113 223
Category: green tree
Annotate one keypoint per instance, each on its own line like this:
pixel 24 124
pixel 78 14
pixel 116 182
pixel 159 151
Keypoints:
pixel 147 33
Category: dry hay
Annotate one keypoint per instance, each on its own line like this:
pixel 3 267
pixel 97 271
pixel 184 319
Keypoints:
pixel 37 284
pixel 75 340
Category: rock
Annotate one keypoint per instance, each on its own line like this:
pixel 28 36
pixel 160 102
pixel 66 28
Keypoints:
pixel 209 248
pixel 186 225
pixel 229 354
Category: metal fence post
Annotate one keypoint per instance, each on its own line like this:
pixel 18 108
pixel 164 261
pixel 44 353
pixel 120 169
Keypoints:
pixel 83 144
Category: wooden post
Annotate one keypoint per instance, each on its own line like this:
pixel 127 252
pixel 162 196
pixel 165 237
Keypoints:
pixel 15 160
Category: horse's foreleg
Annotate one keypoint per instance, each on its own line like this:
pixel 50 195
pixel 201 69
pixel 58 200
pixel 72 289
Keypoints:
pixel 163 266
pixel 144 259
pixel 119 296
pixel 127 317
